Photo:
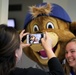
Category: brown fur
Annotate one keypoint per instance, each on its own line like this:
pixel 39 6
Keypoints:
pixel 73 28
pixel 35 11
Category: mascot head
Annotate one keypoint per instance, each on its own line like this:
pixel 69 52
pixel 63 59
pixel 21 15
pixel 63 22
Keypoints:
pixel 53 19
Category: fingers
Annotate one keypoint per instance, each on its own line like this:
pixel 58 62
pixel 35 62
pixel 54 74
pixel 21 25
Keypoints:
pixel 47 35
pixel 47 39
pixel 22 34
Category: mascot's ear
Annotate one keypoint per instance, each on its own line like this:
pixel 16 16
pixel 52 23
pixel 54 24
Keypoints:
pixel 73 28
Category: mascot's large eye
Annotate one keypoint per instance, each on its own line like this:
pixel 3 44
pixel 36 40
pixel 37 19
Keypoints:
pixel 50 25
pixel 35 28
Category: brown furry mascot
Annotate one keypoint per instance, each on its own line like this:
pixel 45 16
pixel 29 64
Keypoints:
pixel 53 19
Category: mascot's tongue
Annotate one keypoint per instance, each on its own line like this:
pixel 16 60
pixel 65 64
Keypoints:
pixel 43 53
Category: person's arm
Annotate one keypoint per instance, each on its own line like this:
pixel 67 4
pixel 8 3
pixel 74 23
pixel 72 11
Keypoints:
pixel 47 44
pixel 53 63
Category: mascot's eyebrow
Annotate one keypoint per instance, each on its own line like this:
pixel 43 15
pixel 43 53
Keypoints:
pixel 35 11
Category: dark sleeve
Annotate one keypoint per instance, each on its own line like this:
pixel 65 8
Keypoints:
pixel 55 67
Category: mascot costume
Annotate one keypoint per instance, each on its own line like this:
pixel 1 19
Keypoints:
pixel 53 19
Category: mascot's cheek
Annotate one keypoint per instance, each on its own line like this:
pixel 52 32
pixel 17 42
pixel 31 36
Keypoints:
pixel 36 47
pixel 57 50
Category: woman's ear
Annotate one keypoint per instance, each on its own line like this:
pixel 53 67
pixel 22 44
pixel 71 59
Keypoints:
pixel 16 54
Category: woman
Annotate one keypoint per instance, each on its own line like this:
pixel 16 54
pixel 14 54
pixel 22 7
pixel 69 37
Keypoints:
pixel 11 52
pixel 70 56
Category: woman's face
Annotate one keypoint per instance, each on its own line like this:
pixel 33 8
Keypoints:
pixel 70 53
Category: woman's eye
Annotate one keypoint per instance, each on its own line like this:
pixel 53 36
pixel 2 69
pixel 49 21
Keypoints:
pixel 73 51
pixel 35 28
pixel 50 25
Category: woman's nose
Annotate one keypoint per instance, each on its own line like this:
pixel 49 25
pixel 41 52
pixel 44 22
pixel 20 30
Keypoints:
pixel 68 54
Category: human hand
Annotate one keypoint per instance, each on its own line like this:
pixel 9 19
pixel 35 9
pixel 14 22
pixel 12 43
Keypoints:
pixel 46 41
pixel 22 34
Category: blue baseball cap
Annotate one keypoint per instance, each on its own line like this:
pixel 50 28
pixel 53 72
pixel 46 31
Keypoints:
pixel 57 11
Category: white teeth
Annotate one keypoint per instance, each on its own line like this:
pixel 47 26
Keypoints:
pixel 70 60
pixel 42 50
pixel 44 57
